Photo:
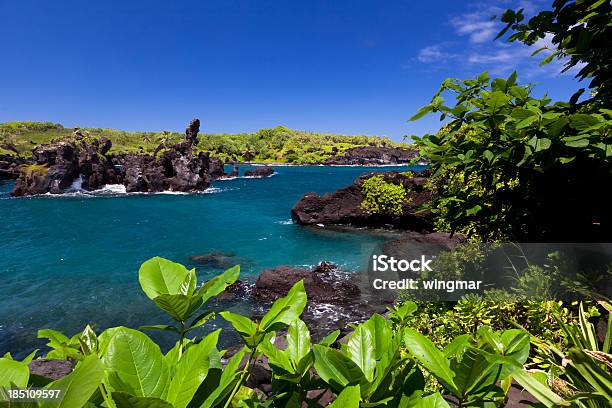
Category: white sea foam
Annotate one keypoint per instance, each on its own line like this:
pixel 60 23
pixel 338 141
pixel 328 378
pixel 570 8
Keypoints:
pixel 285 222
pixel 76 186
pixel 119 190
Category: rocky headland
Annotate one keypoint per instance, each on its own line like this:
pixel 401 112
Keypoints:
pixel 86 164
pixel 373 156
pixel 344 206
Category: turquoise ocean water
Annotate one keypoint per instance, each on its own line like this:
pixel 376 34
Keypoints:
pixel 72 260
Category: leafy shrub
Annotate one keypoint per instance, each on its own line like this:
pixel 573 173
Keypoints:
pixel 510 166
pixel 381 197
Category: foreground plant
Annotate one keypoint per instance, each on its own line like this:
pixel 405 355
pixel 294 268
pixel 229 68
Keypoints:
pixel 172 287
pixel 508 165
pixel 382 363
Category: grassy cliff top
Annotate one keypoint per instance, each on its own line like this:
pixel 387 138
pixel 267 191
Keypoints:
pixel 278 144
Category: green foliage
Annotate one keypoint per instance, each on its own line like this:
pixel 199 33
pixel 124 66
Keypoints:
pixel 510 166
pixel 580 370
pixel 580 33
pixel 278 144
pixel 443 322
pixel 173 289
pixel 382 362
pixel 381 197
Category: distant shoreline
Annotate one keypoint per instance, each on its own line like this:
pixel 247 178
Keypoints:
pixel 277 164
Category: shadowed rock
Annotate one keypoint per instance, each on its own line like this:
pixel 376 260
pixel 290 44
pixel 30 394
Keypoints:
pixel 343 207
pixel 373 156
pixel 260 172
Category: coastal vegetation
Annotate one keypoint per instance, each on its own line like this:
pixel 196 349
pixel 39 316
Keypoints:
pixel 510 166
pixel 381 197
pixel 279 144
pixel 382 362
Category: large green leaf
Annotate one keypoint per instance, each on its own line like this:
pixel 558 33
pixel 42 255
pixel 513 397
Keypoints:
pixel 278 359
pixel 218 284
pixel 56 338
pixel 348 398
pixel 286 309
pixel 582 121
pixel 191 370
pixel 360 348
pixel 242 324
pixel 105 338
pixel 430 357
pixel 496 100
pixel 79 385
pixel 298 342
pixel 336 369
pixel 159 276
pixel 136 364
pixel 516 344
pixel 540 391
pixel 13 372
pixel 472 371
pixel 179 307
pixel 227 382
pixel 330 338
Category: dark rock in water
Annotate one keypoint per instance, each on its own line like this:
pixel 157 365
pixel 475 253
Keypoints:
pixel 190 172
pixel 56 166
pixel 94 168
pixel 217 259
pixel 260 172
pixel 51 369
pixel 372 155
pixel 234 172
pixel 333 300
pixel 216 168
pixel 325 267
pixel 343 207
pixel 321 287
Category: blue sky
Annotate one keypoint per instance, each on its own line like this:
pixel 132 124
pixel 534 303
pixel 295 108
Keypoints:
pixel 352 67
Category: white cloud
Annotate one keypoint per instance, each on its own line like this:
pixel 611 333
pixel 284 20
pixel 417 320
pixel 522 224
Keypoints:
pixel 480 52
pixel 433 53
pixel 478 26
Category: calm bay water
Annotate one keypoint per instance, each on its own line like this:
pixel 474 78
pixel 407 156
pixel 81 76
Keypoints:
pixel 72 260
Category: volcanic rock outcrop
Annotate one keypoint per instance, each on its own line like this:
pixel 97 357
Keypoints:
pixel 373 156
pixel 334 298
pixel 79 163
pixel 260 172
pixel 343 207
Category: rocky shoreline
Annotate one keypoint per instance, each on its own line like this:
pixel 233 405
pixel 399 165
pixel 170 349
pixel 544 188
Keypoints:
pixel 56 167
pixel 344 206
